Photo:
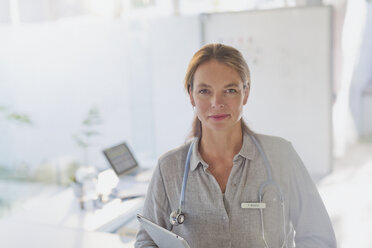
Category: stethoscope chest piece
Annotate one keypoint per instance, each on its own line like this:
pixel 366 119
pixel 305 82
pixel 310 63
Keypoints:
pixel 177 217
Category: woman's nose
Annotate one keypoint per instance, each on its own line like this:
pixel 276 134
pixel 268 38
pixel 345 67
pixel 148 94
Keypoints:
pixel 217 102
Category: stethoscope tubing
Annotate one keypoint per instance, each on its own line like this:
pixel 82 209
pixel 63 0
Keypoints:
pixel 185 176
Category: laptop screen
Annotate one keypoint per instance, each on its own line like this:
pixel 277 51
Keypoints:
pixel 120 158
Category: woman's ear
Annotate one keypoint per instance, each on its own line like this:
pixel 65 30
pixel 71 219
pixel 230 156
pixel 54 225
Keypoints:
pixel 246 94
pixel 192 101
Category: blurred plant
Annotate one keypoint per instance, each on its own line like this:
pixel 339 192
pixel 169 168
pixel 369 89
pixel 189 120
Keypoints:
pixel 59 171
pixel 142 3
pixel 89 129
pixel 20 172
pixel 7 114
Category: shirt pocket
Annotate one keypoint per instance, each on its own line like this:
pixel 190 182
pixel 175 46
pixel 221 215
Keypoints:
pixel 272 216
pixel 248 220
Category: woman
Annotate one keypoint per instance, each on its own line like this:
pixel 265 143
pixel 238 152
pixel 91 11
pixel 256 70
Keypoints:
pixel 243 189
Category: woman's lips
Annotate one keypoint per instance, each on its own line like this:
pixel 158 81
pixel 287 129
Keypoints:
pixel 218 117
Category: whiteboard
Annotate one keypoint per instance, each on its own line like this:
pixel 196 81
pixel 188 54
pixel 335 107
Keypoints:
pixel 289 55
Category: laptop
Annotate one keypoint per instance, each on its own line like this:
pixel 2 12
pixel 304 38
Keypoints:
pixel 126 167
pixel 121 160
pixel 161 236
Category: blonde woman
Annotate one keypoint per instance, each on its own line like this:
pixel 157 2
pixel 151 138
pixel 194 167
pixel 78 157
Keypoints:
pixel 243 189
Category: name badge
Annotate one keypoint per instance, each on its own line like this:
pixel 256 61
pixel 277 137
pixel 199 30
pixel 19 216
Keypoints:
pixel 253 205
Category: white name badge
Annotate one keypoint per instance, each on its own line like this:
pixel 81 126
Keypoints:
pixel 253 205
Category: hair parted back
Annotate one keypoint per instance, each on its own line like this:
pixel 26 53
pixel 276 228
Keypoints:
pixel 223 54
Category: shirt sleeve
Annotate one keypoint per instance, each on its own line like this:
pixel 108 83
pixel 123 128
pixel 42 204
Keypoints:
pixel 156 208
pixel 308 214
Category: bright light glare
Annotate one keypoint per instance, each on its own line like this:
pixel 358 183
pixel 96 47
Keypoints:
pixel 107 180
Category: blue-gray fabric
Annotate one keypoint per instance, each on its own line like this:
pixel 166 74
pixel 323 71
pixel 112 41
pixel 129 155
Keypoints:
pixel 214 219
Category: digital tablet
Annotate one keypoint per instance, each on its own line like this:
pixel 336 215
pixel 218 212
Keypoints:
pixel 161 236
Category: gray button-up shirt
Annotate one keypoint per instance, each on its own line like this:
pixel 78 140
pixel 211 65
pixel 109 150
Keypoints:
pixel 214 219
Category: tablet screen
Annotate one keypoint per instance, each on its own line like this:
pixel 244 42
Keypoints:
pixel 120 158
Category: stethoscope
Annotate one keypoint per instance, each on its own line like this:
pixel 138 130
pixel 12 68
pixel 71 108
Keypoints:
pixel 177 217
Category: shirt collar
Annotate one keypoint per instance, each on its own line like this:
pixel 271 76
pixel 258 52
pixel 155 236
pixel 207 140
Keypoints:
pixel 196 158
pixel 247 151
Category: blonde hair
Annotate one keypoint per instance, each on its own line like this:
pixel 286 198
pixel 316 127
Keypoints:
pixel 223 54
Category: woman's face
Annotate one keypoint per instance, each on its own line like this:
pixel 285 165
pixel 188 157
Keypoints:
pixel 218 96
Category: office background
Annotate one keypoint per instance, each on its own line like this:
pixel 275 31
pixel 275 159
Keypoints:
pixel 119 66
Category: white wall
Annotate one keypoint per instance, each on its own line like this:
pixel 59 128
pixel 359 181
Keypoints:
pixel 353 70
pixel 132 71
pixel 4 11
pixel 55 72
pixel 362 78
pixel 170 58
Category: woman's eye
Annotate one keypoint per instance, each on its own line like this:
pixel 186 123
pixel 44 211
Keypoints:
pixel 204 91
pixel 231 91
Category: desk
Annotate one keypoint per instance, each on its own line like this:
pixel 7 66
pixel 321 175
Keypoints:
pixel 60 222
pixel 15 234
pixel 63 210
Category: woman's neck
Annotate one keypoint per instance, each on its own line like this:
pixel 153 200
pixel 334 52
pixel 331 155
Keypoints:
pixel 223 144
